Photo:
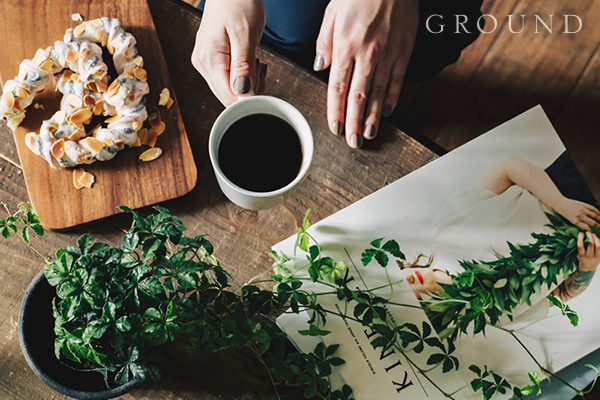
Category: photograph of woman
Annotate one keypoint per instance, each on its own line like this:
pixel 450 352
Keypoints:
pixel 506 204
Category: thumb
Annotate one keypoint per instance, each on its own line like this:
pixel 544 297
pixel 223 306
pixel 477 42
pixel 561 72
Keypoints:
pixel 243 66
pixel 324 44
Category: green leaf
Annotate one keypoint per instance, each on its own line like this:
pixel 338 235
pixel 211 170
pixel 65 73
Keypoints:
pixel 392 247
pixel 382 258
pixel 313 330
pixel 376 243
pixel 25 234
pixel 367 256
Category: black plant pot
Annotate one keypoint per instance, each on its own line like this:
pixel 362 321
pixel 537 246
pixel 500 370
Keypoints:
pixel 36 335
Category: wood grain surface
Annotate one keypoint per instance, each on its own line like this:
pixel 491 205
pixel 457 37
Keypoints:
pixel 124 180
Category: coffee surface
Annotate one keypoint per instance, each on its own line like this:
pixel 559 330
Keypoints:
pixel 261 153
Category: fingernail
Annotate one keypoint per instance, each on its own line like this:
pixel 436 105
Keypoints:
pixel 335 128
pixel 319 61
pixel 241 85
pixel 370 131
pixel 387 110
pixel 355 140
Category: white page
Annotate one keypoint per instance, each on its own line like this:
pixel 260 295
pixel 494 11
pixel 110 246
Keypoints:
pixel 405 211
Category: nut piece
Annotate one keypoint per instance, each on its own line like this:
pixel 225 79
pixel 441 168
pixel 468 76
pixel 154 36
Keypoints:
pixel 98 107
pixel 75 136
pixel 94 144
pixel 89 100
pixel 46 65
pixel 9 99
pixel 154 118
pixel 160 128
pixel 114 118
pixel 79 29
pixel 87 179
pixel 141 74
pixel 71 56
pixel 164 97
pixel 150 138
pixel 80 116
pixel 77 174
pixel 58 149
pixel 74 100
pixel 151 154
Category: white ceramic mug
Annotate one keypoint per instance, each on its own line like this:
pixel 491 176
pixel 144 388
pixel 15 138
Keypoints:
pixel 259 105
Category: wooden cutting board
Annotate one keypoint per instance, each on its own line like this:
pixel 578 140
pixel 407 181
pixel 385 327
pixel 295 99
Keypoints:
pixel 27 25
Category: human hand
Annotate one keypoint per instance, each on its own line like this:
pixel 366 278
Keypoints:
pixel 225 49
pixel 589 256
pixel 579 213
pixel 368 47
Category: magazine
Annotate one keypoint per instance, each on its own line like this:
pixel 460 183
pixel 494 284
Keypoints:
pixel 442 210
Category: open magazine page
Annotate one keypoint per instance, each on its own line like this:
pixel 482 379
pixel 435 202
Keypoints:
pixel 441 210
pixel 371 372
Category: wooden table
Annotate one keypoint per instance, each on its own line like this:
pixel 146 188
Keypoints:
pixel 338 177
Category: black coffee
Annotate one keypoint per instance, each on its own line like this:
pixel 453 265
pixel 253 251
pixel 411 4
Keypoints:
pixel 261 153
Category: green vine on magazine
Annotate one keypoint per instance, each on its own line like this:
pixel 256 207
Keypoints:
pixel 117 308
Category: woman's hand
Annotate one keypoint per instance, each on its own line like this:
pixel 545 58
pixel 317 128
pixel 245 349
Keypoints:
pixel 368 46
pixel 589 258
pixel 589 254
pixel 225 50
pixel 579 213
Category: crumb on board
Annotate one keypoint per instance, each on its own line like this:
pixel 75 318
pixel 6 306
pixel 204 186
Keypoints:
pixel 76 17
pixel 82 179
pixel 165 98
pixel 151 154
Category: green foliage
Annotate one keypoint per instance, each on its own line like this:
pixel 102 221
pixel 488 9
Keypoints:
pixel 564 309
pixel 487 290
pixel 380 253
pixel 488 382
pixel 117 308
pixel 28 219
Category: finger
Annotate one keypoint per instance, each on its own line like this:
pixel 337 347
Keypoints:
pixel 394 87
pixel 213 64
pixel 375 101
pixel 243 62
pixel 596 245
pixel 324 43
pixel 590 245
pixel 356 104
pixel 580 246
pixel 337 91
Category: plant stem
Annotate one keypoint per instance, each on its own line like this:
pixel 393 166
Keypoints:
pixel 260 359
pixel 579 393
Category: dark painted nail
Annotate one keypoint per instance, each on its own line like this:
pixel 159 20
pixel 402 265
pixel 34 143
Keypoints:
pixel 355 140
pixel 387 110
pixel 319 61
pixel 370 131
pixel 241 85
pixel 336 128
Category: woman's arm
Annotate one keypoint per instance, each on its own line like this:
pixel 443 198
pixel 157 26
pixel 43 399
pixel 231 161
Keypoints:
pixel 515 171
pixel 589 258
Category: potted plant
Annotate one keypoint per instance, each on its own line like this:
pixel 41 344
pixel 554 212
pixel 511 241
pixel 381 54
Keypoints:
pixel 113 309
